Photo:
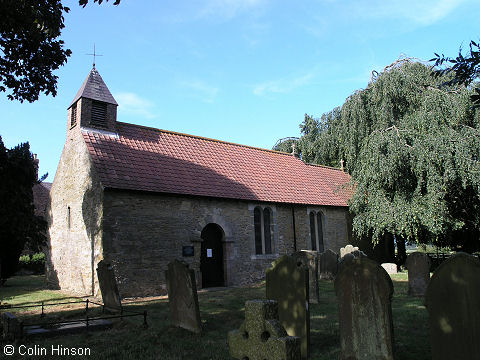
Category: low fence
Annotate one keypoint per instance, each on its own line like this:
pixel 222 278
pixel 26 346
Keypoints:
pixel 87 320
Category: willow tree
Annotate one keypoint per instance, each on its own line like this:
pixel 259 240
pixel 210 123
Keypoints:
pixel 412 147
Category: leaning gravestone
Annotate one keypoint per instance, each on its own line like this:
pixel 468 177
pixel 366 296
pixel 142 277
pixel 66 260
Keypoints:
pixel 261 336
pixel 364 291
pixel 182 296
pixel 310 260
pixel 418 265
pixel 108 287
pixel 390 268
pixel 11 328
pixel 328 264
pixel 453 303
pixel 287 283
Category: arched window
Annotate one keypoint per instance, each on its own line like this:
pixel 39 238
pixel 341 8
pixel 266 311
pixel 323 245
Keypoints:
pixel 262 219
pixel 267 236
pixel 316 231
pixel 313 231
pixel 257 219
pixel 320 232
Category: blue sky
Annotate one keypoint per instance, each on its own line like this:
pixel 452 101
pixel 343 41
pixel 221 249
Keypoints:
pixel 243 71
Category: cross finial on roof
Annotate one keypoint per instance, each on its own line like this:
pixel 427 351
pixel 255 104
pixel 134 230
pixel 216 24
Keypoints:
pixel 94 55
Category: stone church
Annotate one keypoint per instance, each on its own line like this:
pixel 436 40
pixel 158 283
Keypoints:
pixel 140 197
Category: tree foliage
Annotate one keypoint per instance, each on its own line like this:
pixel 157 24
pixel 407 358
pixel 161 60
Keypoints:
pixel 18 223
pixel 30 48
pixel 286 145
pixel 466 68
pixel 412 146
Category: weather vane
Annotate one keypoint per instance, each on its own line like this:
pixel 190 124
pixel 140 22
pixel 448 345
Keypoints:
pixel 94 55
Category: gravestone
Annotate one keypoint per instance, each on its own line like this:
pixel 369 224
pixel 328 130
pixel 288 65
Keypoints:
pixel 287 283
pixel 453 303
pixel 418 265
pixel 182 296
pixel 261 336
pixel 347 250
pixel 348 255
pixel 364 291
pixel 108 287
pixel 390 268
pixel 328 264
pixel 310 260
pixel 11 327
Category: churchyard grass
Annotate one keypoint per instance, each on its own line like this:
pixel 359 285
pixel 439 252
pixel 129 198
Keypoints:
pixel 221 311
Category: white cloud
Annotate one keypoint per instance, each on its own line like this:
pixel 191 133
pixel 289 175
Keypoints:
pixel 424 12
pixel 200 89
pixel 132 104
pixel 282 85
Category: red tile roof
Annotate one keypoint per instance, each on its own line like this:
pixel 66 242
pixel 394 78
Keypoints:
pixel 141 158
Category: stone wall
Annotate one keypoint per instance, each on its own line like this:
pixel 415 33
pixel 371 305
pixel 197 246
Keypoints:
pixel 143 232
pixel 74 218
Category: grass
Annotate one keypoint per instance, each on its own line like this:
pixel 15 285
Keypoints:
pixel 221 311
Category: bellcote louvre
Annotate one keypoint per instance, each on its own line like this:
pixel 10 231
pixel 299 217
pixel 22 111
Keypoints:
pixel 94 105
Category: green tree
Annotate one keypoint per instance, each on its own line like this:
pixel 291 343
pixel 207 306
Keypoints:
pixel 412 146
pixel 18 223
pixel 286 145
pixel 30 48
pixel 466 68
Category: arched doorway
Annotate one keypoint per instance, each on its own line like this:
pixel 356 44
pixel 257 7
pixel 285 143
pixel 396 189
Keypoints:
pixel 211 258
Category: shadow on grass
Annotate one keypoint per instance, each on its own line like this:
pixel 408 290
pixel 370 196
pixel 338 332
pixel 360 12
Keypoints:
pixel 222 311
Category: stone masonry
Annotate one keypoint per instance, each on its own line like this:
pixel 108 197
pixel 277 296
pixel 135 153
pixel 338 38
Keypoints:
pixel 128 216
pixel 74 218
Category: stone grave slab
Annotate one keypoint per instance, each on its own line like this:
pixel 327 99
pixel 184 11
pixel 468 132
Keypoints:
pixel 453 303
pixel 108 287
pixel 287 283
pixel 182 296
pixel 309 259
pixel 66 329
pixel 364 291
pixel 261 336
pixel 418 265
pixel 328 265
pixel 390 268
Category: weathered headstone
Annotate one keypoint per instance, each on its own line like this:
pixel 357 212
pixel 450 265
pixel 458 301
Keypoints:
pixel 390 268
pixel 287 283
pixel 261 336
pixel 11 326
pixel 348 255
pixel 453 303
pixel 182 296
pixel 418 265
pixel 310 260
pixel 347 250
pixel 364 291
pixel 108 287
pixel 328 264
